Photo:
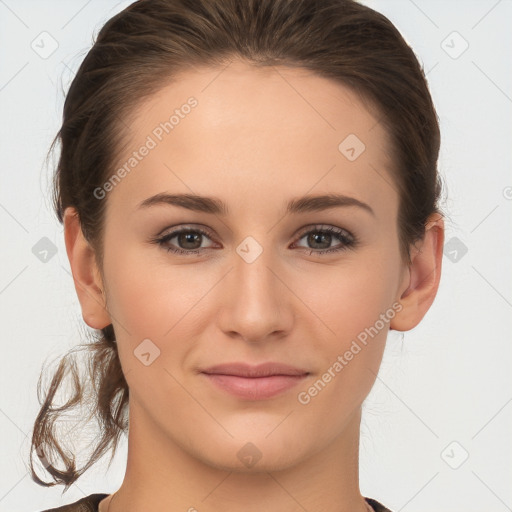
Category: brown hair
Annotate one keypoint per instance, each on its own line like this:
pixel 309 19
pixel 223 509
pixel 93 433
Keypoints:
pixel 135 54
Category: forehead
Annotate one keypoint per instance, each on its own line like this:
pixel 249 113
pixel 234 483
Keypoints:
pixel 259 100
pixel 242 129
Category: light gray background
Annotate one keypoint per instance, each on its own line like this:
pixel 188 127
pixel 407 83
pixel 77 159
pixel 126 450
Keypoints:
pixel 443 393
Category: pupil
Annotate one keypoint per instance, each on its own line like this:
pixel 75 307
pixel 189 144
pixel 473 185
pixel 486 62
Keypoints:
pixel 186 238
pixel 316 237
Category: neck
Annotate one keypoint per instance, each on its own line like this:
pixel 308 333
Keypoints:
pixel 162 476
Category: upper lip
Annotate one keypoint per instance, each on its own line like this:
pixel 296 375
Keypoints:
pixel 260 370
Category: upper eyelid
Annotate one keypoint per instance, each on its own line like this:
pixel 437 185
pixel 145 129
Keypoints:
pixel 302 232
pixel 324 227
pixel 183 227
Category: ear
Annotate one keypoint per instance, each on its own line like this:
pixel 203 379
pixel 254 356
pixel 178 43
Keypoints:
pixel 86 275
pixel 421 278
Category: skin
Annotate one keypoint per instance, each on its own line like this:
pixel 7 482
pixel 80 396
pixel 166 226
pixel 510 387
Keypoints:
pixel 257 138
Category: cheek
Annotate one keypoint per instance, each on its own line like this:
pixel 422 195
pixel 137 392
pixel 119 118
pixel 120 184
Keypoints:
pixel 149 297
pixel 350 298
pixel 141 303
pixel 157 302
pixel 355 310
pixel 354 303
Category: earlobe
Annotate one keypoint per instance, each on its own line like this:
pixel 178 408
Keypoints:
pixel 87 278
pixel 424 273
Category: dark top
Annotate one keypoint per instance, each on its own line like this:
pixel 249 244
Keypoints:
pixel 90 504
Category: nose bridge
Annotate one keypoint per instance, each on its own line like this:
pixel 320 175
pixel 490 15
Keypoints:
pixel 255 305
pixel 253 272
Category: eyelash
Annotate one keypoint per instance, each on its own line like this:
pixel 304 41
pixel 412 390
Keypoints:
pixel 348 240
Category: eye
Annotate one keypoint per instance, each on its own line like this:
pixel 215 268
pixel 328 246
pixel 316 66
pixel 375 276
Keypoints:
pixel 188 241
pixel 321 237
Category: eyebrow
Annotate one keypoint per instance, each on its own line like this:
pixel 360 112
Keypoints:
pixel 213 205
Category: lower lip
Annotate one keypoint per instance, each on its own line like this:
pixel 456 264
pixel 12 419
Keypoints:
pixel 255 388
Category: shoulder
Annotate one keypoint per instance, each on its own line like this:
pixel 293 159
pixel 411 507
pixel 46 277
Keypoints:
pixel 88 504
pixel 377 507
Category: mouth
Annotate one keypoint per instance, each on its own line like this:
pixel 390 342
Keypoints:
pixel 254 382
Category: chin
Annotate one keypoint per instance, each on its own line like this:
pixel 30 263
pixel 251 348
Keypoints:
pixel 255 453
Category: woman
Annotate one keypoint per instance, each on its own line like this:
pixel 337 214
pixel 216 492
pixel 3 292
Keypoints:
pixel 249 194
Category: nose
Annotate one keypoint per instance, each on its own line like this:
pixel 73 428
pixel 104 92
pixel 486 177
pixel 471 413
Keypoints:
pixel 256 305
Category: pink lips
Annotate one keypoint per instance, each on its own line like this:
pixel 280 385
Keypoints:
pixel 255 382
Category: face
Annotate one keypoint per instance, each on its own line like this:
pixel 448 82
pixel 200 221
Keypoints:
pixel 254 274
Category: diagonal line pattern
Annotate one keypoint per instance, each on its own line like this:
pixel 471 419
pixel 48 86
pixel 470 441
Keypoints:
pixel 387 181
pixel 83 493
pixel 217 75
pixel 8 418
pixel 68 68
pixel 285 490
pixel 492 81
pixel 13 279
pixel 492 211
pixel 495 289
pixel 14 76
pixel 76 14
pixel 506 403
pixel 218 485
pixel 490 490
pixel 13 13
pixel 280 423
pixel 431 68
pixel 14 218
pixel 13 487
pixel 275 69
pixel 424 14
pixel 485 15
pixel 405 404
pixel 416 494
